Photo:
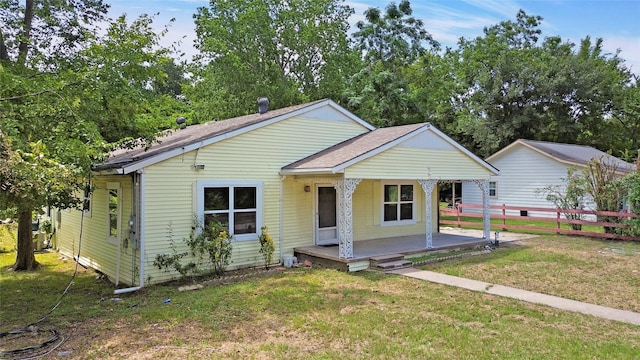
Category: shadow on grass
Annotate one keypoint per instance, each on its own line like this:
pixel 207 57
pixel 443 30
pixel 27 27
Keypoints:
pixel 28 295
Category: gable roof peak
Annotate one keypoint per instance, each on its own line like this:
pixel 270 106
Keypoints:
pixel 195 136
pixel 572 154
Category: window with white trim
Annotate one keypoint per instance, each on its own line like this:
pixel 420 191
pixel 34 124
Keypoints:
pixel 237 205
pixel 114 213
pixel 398 204
pixel 493 189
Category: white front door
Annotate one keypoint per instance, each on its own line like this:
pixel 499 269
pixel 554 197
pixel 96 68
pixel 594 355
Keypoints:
pixel 326 215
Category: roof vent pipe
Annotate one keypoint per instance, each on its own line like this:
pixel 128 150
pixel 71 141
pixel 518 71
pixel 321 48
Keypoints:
pixel 263 105
pixel 181 122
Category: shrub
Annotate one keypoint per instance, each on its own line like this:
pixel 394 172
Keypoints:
pixel 215 241
pixel 266 247
pixel 568 196
pixel 174 259
pixel 632 185
pixel 210 247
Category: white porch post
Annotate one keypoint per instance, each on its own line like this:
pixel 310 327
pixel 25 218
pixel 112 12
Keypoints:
pixel 345 189
pixel 427 187
pixel 483 184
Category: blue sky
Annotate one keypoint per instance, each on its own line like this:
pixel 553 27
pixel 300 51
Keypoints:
pixel 617 22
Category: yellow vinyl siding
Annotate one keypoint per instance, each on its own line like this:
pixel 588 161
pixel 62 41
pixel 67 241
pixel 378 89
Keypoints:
pixel 367 203
pixel 256 156
pixel 95 250
pixel 416 163
pixel 298 214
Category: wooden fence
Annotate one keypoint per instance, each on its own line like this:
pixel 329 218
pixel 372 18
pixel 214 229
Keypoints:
pixel 559 218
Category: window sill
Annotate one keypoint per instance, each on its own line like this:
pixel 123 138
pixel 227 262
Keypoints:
pixel 398 223
pixel 244 237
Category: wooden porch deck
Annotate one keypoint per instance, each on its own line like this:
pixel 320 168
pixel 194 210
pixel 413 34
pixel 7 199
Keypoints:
pixel 364 250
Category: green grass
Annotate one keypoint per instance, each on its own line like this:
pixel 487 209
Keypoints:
pixel 312 314
pixel 595 271
pixel 496 224
pixel 8 237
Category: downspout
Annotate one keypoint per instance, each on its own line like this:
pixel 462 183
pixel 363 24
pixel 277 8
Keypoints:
pixel 139 226
pixel 281 226
pixel 117 281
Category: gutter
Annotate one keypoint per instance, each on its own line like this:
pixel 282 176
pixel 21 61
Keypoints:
pixel 281 226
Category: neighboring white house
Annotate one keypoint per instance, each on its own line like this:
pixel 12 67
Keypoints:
pixel 528 165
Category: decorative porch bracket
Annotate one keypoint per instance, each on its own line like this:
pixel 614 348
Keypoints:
pixel 427 187
pixel 345 189
pixel 486 209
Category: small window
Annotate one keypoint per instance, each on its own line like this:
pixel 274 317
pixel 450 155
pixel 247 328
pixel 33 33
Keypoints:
pixel 236 206
pixel 493 189
pixel 398 205
pixel 114 212
pixel 86 202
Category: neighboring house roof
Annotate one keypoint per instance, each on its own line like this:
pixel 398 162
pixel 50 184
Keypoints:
pixel 338 157
pixel 176 142
pixel 571 154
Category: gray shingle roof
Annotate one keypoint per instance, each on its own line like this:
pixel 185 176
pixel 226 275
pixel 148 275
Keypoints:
pixel 578 154
pixel 176 139
pixel 353 148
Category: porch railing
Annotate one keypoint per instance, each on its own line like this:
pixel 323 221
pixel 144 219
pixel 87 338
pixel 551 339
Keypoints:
pixel 548 220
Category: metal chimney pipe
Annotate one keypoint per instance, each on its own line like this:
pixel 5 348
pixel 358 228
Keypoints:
pixel 263 105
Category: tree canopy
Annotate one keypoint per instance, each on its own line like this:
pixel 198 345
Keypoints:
pixel 389 42
pixel 67 95
pixel 288 51
pixel 515 85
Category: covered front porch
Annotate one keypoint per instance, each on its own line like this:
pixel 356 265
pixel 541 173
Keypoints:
pixel 366 250
pixel 377 193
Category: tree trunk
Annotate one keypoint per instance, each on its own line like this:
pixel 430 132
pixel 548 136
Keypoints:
pixel 25 260
pixel 4 54
pixel 23 47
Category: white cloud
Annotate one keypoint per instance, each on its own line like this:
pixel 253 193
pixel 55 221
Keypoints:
pixel 629 46
pixel 508 9
pixel 448 25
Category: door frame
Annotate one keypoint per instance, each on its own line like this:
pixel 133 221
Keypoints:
pixel 316 212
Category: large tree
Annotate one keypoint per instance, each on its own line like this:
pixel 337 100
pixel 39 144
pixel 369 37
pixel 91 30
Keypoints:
pixel 389 42
pixel 289 51
pixel 65 93
pixel 624 123
pixel 515 85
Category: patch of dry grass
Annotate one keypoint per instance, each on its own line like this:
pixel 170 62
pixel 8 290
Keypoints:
pixel 600 272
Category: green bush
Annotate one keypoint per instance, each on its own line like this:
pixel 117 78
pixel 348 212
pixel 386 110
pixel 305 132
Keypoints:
pixel 267 246
pixel 210 247
pixel 215 241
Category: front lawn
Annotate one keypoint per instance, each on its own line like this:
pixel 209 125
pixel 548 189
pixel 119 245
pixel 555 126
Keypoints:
pixel 600 272
pixel 322 314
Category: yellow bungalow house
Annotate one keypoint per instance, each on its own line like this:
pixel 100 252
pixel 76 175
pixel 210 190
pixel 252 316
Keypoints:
pixel 315 174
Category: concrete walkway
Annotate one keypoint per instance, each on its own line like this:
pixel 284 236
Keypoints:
pixel 524 295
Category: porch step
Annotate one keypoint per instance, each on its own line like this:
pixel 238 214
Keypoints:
pixel 375 260
pixel 389 262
